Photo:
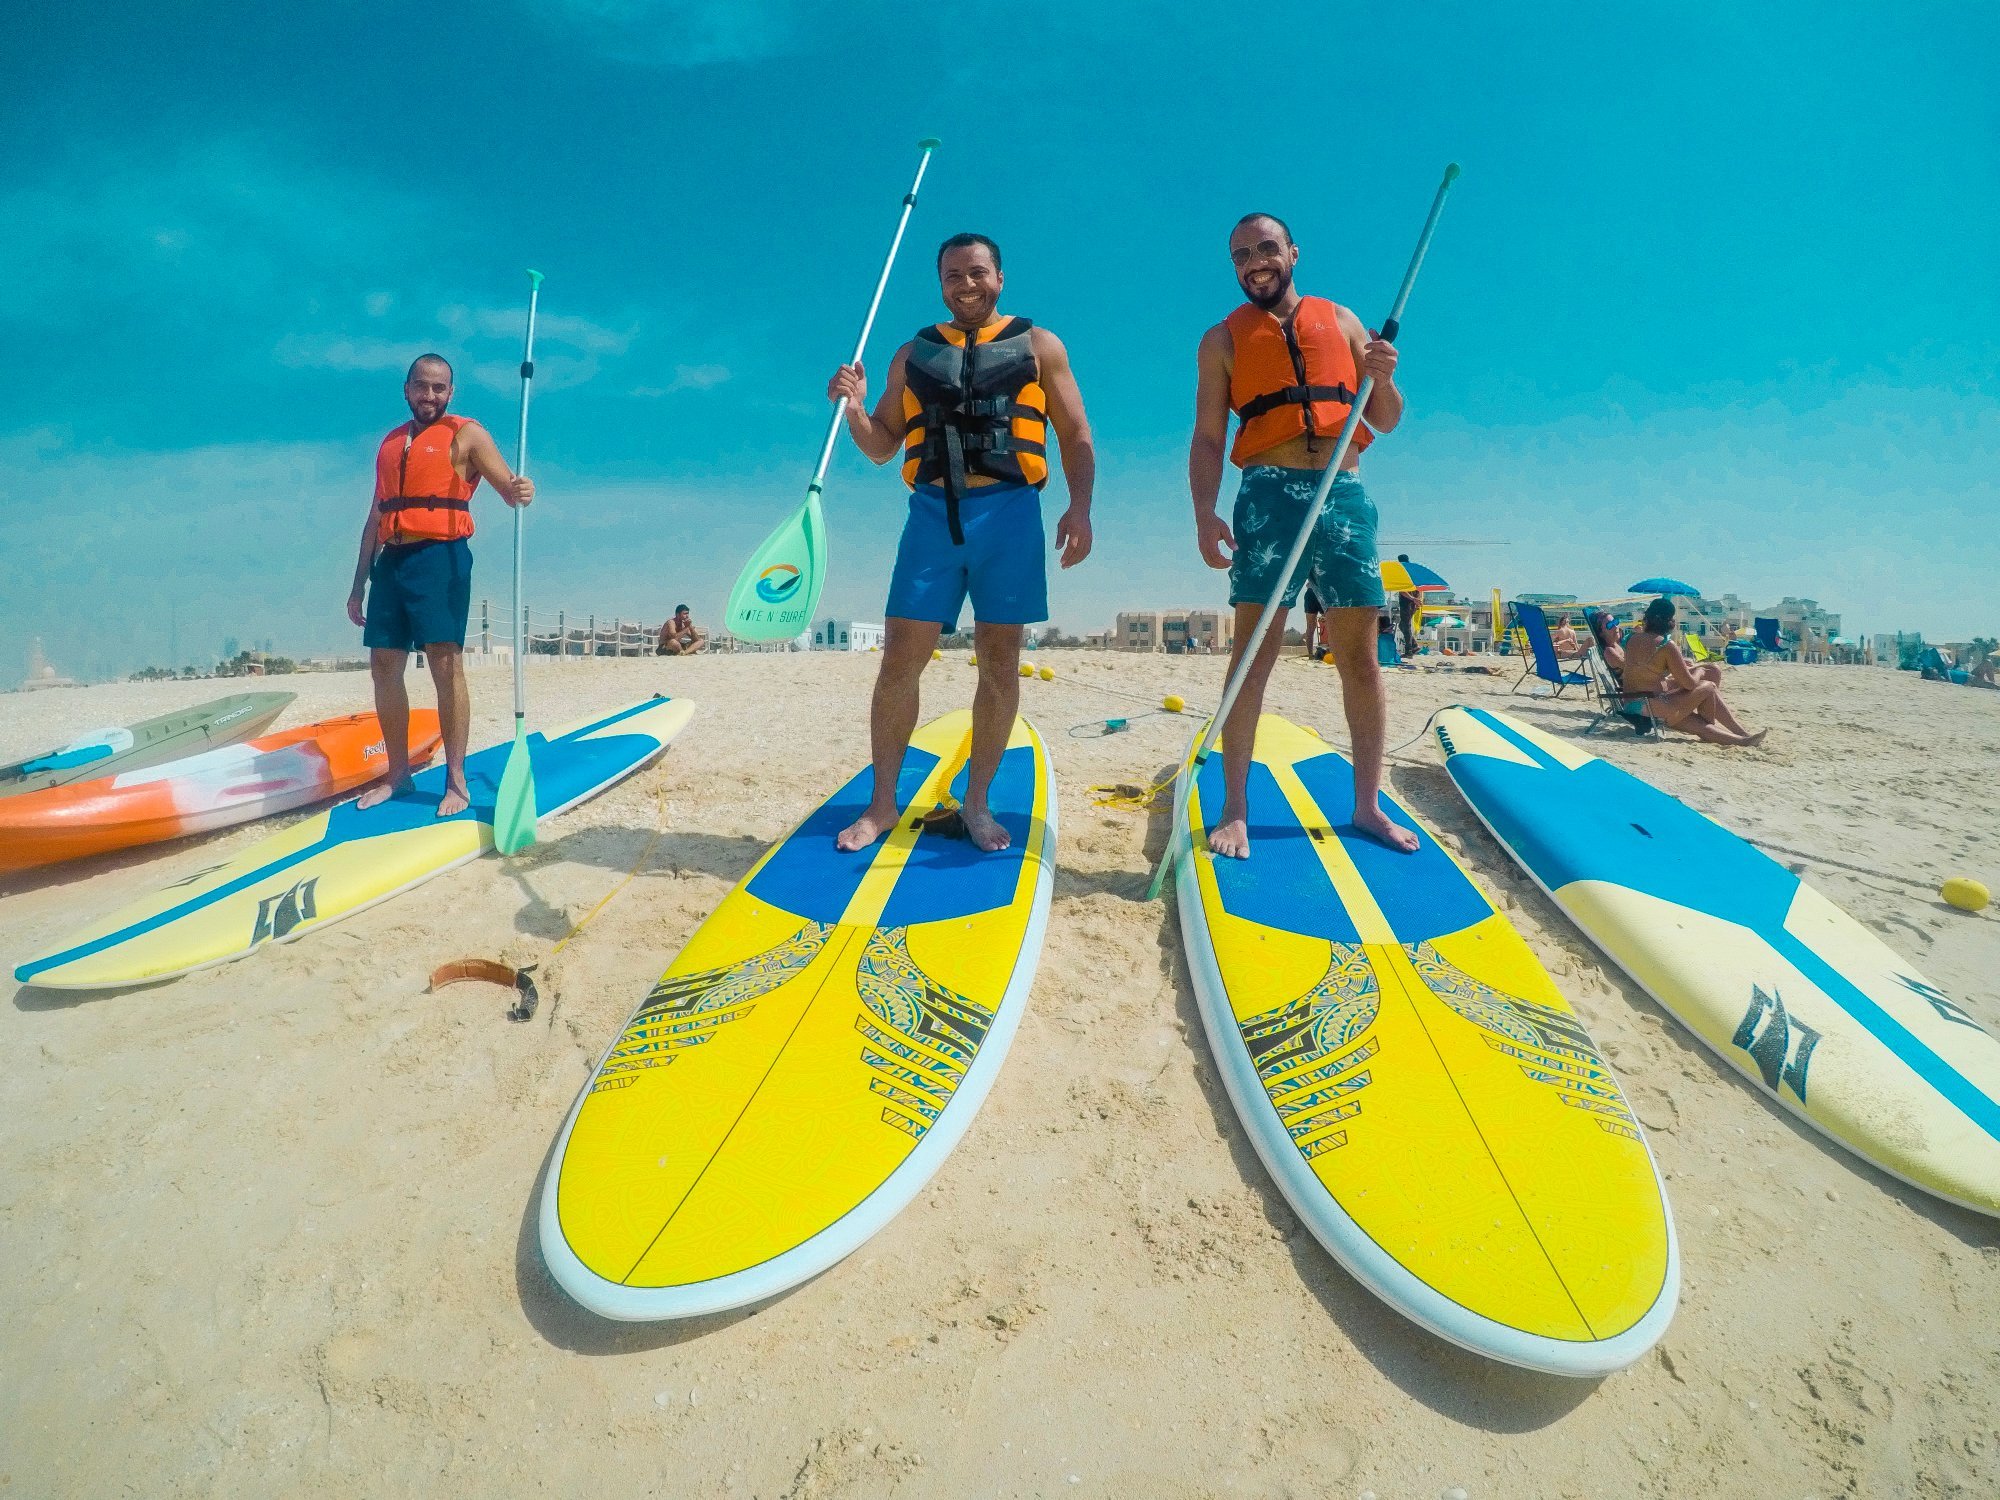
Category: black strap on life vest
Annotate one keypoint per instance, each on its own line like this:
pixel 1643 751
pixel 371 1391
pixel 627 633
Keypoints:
pixel 960 428
pixel 1303 395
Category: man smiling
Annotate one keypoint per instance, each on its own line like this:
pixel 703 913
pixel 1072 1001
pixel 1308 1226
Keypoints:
pixel 1289 366
pixel 969 403
pixel 415 569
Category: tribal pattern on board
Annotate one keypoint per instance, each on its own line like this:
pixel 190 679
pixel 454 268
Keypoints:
pixel 685 1010
pixel 1305 1051
pixel 1551 1045
pixel 918 1037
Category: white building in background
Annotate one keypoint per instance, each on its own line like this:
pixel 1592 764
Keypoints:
pixel 40 674
pixel 844 635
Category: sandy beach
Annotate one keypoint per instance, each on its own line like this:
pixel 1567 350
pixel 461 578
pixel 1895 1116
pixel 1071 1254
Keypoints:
pixel 269 1229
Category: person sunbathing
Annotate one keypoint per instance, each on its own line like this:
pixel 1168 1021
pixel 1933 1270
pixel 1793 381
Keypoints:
pixel 1676 696
pixel 1562 635
pixel 1604 630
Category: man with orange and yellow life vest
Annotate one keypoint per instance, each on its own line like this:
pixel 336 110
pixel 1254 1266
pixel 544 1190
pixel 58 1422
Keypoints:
pixel 1289 366
pixel 415 568
pixel 969 404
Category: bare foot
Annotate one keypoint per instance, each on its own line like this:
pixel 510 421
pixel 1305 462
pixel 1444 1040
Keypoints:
pixel 1231 837
pixel 1755 740
pixel 381 792
pixel 865 829
pixel 456 799
pixel 1375 823
pixel 984 832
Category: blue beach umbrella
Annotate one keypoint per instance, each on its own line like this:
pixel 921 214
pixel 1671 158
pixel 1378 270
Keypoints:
pixel 1664 586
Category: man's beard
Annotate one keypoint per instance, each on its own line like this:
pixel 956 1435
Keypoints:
pixel 1276 294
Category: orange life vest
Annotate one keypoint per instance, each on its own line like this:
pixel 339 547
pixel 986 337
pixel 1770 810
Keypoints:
pixel 1290 378
pixel 418 494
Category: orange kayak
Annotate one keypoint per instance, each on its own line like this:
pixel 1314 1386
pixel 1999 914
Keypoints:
pixel 216 789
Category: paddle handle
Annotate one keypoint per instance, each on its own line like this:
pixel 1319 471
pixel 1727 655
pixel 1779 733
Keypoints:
pixel 927 146
pixel 521 467
pixel 1390 326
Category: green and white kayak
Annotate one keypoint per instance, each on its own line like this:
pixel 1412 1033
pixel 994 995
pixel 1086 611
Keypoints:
pixel 111 752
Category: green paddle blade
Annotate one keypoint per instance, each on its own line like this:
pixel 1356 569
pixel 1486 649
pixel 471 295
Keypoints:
pixel 779 588
pixel 514 808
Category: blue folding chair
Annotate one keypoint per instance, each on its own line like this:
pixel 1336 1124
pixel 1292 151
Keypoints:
pixel 1769 642
pixel 1542 664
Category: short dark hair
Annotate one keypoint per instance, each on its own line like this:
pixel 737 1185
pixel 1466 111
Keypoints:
pixel 966 242
pixel 682 609
pixel 1250 218
pixel 1660 615
pixel 429 359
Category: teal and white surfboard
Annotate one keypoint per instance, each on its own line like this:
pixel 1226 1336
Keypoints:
pixel 1790 990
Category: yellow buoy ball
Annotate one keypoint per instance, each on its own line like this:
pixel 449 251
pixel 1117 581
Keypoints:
pixel 1027 670
pixel 1966 894
pixel 1047 674
pixel 1173 703
pixel 972 659
pixel 937 655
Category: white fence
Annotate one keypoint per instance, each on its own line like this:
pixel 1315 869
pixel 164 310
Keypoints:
pixel 556 635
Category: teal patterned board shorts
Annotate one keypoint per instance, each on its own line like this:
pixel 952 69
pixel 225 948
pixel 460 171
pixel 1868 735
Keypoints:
pixel 1340 559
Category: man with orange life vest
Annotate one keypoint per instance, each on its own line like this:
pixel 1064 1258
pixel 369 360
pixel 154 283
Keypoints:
pixel 969 403
pixel 416 569
pixel 1289 367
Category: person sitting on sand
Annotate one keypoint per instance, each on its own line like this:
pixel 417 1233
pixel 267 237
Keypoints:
pixel 1677 698
pixel 680 636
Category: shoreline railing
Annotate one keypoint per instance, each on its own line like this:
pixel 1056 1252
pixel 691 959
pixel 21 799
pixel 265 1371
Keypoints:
pixel 580 635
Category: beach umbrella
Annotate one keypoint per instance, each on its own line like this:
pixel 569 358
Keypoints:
pixel 1399 577
pixel 1664 586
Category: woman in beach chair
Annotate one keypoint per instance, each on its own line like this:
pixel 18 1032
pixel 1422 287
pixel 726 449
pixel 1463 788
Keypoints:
pixel 1677 697
pixel 1562 635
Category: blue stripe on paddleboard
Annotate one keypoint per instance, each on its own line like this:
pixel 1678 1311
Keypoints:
pixel 562 767
pixel 944 878
pixel 1966 1096
pixel 1282 885
pixel 806 875
pixel 1599 823
pixel 1424 895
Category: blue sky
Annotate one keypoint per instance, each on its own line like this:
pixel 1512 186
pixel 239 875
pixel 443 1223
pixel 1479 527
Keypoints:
pixel 1714 298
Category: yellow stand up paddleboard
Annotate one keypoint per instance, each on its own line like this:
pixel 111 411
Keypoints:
pixel 1408 1072
pixel 813 1054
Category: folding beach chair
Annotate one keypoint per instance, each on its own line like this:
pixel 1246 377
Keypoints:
pixel 1613 702
pixel 1697 647
pixel 1542 664
pixel 1769 642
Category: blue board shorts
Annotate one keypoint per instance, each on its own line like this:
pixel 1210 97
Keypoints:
pixel 1002 565
pixel 1340 559
pixel 419 594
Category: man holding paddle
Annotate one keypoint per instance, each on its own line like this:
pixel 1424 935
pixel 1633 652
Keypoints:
pixel 969 404
pixel 415 569
pixel 1290 367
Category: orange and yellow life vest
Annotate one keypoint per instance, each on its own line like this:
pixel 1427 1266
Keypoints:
pixel 974 407
pixel 419 496
pixel 1291 378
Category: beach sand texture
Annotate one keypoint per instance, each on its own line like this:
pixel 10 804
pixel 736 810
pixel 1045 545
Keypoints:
pixel 270 1229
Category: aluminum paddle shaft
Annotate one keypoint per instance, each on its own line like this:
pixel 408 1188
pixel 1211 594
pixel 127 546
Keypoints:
pixel 927 146
pixel 1184 788
pixel 521 467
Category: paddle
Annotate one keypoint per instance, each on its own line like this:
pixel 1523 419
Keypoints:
pixel 514 807
pixel 1184 787
pixel 778 589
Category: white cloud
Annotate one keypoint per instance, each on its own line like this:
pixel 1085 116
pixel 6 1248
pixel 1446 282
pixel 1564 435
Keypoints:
pixel 687 378
pixel 676 33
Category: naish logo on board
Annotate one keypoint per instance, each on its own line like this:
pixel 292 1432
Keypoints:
pixel 1940 1002
pixel 1780 1045
pixel 278 915
pixel 778 583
